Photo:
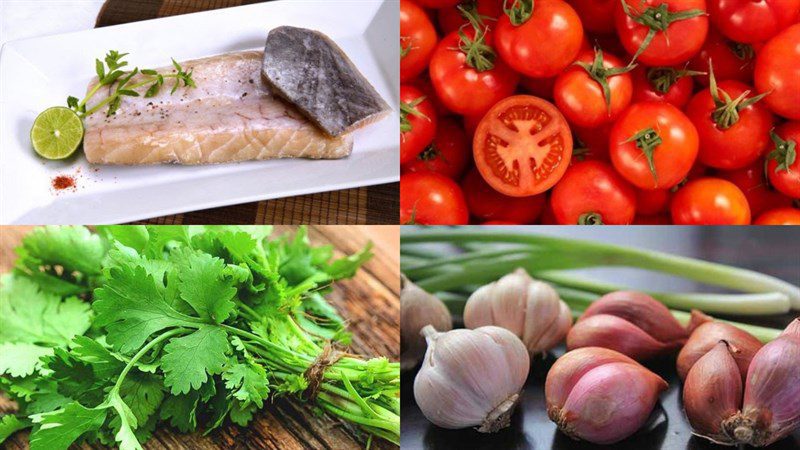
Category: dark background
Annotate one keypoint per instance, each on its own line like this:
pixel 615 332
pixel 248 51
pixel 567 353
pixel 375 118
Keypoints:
pixel 771 250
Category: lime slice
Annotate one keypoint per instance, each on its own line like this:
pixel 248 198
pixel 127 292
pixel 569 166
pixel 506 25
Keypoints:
pixel 57 133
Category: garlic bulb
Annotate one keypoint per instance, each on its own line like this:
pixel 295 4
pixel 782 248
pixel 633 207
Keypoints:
pixel 528 308
pixel 631 323
pixel 471 378
pixel 743 344
pixel 417 309
pixel 600 395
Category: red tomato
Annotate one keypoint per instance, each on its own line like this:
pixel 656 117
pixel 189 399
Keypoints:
pixel 423 83
pixel 652 201
pixel 580 97
pixel 522 146
pixel 417 40
pixel 431 199
pixel 778 72
pixel 752 182
pixel 780 216
pixel 485 203
pixel 727 143
pixel 540 43
pixel 752 21
pixel 655 219
pixel 451 19
pixel 435 4
pixel 417 123
pixel 675 45
pixel 591 193
pixel 466 86
pixel 731 60
pixel 710 201
pixel 500 222
pixel 448 154
pixel 783 164
pixel 597 16
pixel 653 145
pixel 663 84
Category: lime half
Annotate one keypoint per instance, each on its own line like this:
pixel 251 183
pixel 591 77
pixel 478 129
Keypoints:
pixel 57 133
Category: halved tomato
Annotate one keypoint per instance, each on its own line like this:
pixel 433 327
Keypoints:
pixel 522 146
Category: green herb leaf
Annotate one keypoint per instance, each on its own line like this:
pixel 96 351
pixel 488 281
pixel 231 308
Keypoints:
pixel 57 430
pixel 187 360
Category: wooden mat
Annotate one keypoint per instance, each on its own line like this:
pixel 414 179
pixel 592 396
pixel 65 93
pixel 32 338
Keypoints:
pixel 373 205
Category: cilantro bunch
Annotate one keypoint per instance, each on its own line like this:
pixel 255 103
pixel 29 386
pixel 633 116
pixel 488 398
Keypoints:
pixel 104 337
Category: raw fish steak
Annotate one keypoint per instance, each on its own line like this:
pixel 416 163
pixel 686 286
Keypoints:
pixel 310 71
pixel 230 116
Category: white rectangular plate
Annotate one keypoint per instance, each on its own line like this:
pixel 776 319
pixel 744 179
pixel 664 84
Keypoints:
pixel 38 73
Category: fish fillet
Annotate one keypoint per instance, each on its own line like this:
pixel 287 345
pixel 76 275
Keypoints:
pixel 230 116
pixel 310 71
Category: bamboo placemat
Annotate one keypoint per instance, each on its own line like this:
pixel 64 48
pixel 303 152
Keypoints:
pixel 373 205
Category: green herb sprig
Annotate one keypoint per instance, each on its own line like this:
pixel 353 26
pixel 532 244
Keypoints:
pixel 109 71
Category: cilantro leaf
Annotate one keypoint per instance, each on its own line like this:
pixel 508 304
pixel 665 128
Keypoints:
pixel 346 267
pixel 187 360
pixel 57 430
pixel 104 364
pixel 203 286
pixel 10 424
pixel 249 383
pixel 21 359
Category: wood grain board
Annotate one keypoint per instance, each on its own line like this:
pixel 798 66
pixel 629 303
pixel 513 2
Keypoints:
pixel 370 302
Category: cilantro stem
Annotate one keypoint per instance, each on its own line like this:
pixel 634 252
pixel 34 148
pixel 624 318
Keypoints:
pixel 164 336
pixel 115 95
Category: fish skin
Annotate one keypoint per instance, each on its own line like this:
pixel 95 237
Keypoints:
pixel 309 70
pixel 230 116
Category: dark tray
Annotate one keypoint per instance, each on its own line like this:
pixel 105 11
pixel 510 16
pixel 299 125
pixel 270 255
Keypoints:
pixel 767 249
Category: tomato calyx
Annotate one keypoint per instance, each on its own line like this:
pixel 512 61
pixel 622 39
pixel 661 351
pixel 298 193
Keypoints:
pixel 599 73
pixel 647 140
pixel 430 153
pixel 405 49
pixel 744 52
pixel 657 19
pixel 410 108
pixel 590 218
pixel 480 55
pixel 726 111
pixel 519 12
pixel 784 153
pixel 662 78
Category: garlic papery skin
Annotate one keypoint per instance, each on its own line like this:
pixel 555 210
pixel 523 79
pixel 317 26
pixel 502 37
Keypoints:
pixel 528 308
pixel 471 378
pixel 712 394
pixel 771 407
pixel 600 395
pixel 632 323
pixel 707 336
pixel 417 309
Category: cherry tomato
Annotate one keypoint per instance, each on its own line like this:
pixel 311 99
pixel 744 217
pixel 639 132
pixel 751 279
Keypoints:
pixel 451 19
pixel 778 72
pixel 780 216
pixel 591 193
pixel 417 123
pixel 731 60
pixel 436 4
pixel 417 40
pixel 783 164
pixel 448 154
pixel 751 180
pixel 597 16
pixel 710 201
pixel 675 45
pixel 652 201
pixel 522 146
pixel 653 145
pixel 485 203
pixel 431 199
pixel 467 86
pixel 663 84
pixel 500 222
pixel 580 97
pixel 743 141
pixel 655 219
pixel 540 43
pixel 752 21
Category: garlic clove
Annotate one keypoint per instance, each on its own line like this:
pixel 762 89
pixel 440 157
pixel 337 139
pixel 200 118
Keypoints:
pixel 771 408
pixel 610 402
pixel 471 378
pixel 712 394
pixel 616 334
pixel 743 346
pixel 642 310
pixel 569 368
pixel 546 329
pixel 418 308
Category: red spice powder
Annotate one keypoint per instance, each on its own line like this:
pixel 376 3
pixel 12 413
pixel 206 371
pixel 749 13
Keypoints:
pixel 63 182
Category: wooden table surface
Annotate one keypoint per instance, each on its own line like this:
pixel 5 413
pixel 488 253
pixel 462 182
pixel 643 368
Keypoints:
pixel 370 301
